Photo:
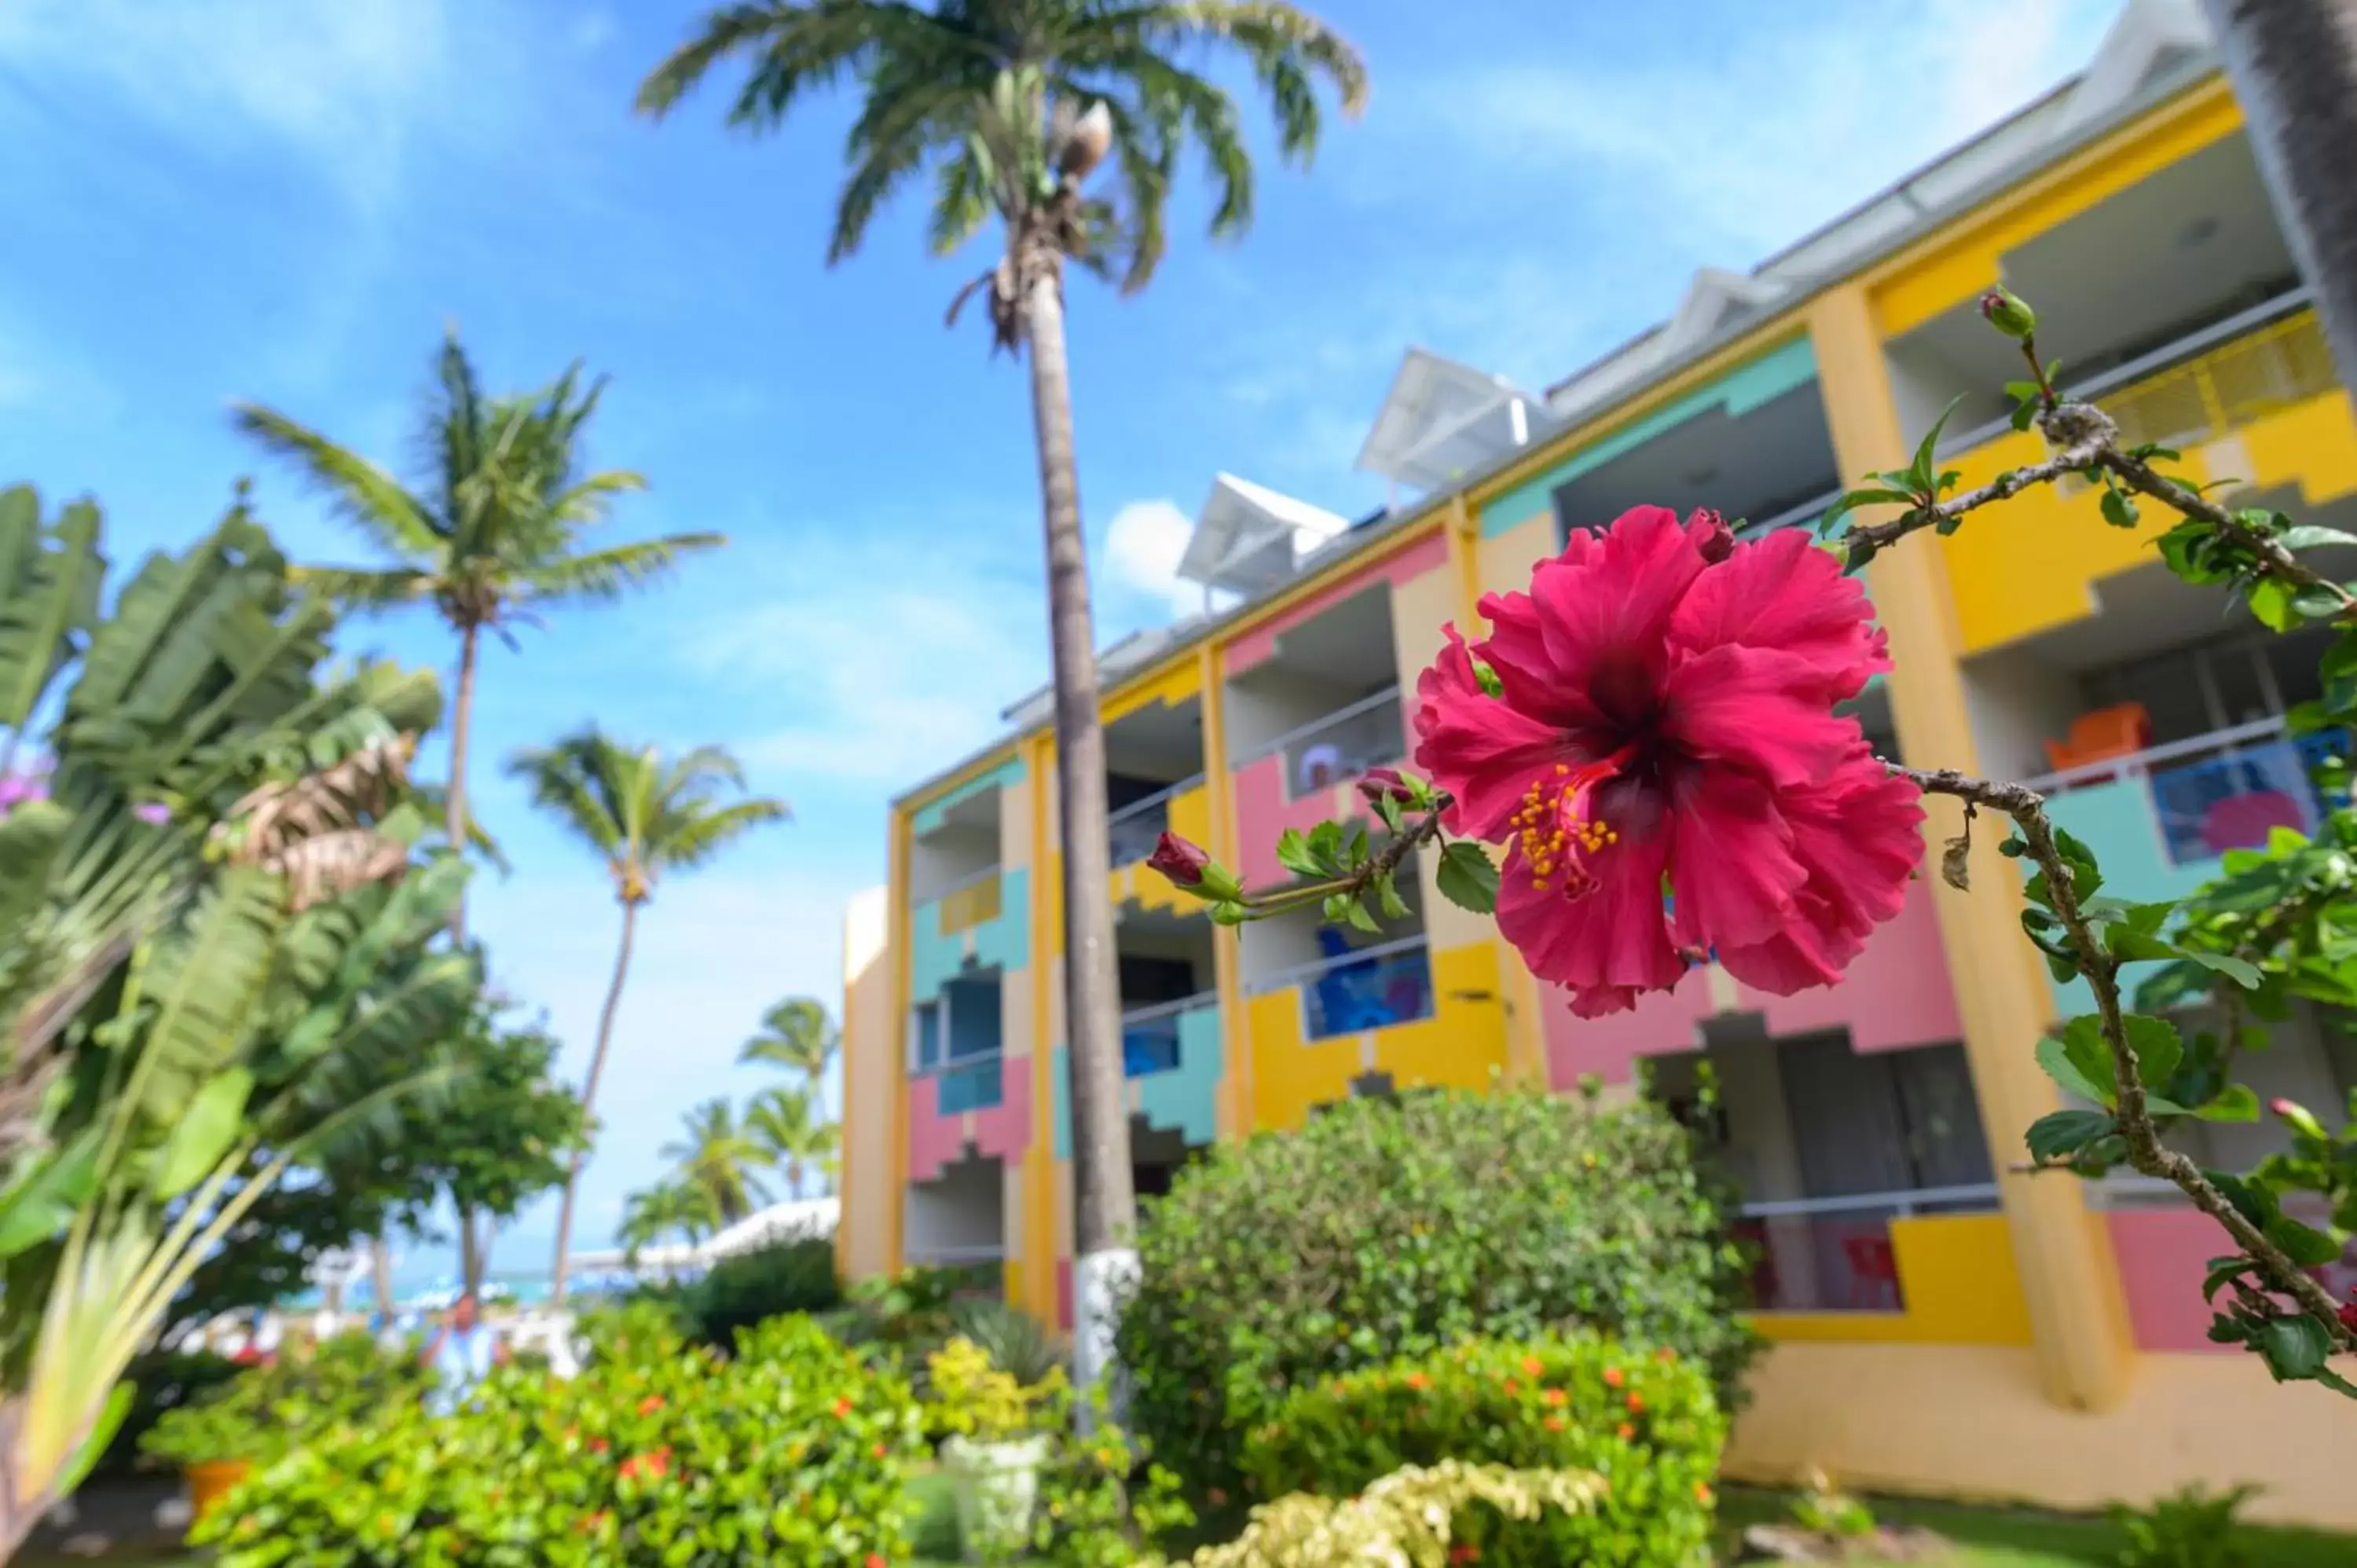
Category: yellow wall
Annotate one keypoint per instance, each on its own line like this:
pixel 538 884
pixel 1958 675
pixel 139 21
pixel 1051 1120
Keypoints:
pixel 1462 1044
pixel 1970 1421
pixel 1956 1275
pixel 2036 562
pixel 871 1181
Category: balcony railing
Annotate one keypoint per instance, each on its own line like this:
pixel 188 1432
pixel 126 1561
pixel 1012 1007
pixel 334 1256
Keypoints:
pixel 969 902
pixel 1135 827
pixel 971 1083
pixel 1367 988
pixel 2227 789
pixel 1338 746
pixel 1149 1036
pixel 1834 1255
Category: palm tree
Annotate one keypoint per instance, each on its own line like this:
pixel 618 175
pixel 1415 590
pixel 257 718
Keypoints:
pixel 798 1036
pixel 793 1133
pixel 488 533
pixel 1010 105
pixel 643 815
pixel 2294 67
pixel 651 1215
pixel 716 1157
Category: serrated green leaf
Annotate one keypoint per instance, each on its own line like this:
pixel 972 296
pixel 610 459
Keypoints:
pixel 2234 968
pixel 2055 1058
pixel 2157 1046
pixel 2236 1102
pixel 1466 878
pixel 2311 536
pixel 1293 854
pixel 2293 1346
pixel 2061 1133
pixel 2304 1245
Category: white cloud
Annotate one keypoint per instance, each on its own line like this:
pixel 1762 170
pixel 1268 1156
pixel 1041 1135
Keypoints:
pixel 338 85
pixel 1142 549
pixel 875 662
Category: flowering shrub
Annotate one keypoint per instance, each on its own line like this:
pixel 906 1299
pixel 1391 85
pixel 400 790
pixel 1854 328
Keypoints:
pixel 265 1411
pixel 1102 1502
pixel 1645 1422
pixel 970 1397
pixel 793 1451
pixel 1379 1230
pixel 1407 1518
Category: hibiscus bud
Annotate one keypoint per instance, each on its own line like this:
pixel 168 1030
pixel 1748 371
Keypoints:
pixel 2297 1117
pixel 1179 860
pixel 2003 309
pixel 1380 784
pixel 1711 535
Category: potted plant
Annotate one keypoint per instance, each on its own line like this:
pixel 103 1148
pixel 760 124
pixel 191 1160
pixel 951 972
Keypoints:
pixel 216 1438
pixel 997 1441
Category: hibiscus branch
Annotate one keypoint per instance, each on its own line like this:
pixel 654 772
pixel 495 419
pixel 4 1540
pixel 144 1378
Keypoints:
pixel 1866 540
pixel 1385 862
pixel 2146 1152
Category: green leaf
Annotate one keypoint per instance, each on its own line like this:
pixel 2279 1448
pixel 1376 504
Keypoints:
pixel 1466 877
pixel 1293 854
pixel 2311 536
pixel 2061 1133
pixel 2244 975
pixel 1388 899
pixel 204 1133
pixel 2119 511
pixel 1923 474
pixel 39 1206
pixel 102 1433
pixel 2254 1202
pixel 1487 680
pixel 2271 600
pixel 2056 1059
pixel 2157 1047
pixel 2237 1102
pixel 2293 1346
pixel 2304 1245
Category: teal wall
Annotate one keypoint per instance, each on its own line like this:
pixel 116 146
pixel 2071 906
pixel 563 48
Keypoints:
pixel 1741 390
pixel 1185 1099
pixel 2117 821
pixel 1004 943
pixel 930 816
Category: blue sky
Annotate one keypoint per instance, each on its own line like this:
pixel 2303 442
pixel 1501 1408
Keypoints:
pixel 214 199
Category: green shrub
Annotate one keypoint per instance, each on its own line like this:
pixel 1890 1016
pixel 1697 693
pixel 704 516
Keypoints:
pixel 1387 1229
pixel 161 1382
pixel 2190 1527
pixel 1017 1343
pixel 1645 1422
pixel 265 1411
pixel 796 1276
pixel 1410 1516
pixel 792 1451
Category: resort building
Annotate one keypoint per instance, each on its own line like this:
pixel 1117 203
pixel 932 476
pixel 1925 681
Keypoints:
pixel 1940 1321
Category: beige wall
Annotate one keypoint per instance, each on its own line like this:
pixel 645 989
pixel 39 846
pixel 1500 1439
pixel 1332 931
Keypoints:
pixel 870 1184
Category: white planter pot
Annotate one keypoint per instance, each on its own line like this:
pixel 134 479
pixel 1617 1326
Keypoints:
pixel 997 1488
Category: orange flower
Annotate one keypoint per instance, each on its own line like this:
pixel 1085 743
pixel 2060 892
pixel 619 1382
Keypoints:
pixel 598 1445
pixel 1702 1493
pixel 1554 1424
pixel 1512 1387
pixel 875 1560
pixel 1665 1355
pixel 1465 1552
pixel 842 1408
pixel 1533 1364
pixel 1554 1396
pixel 879 1451
pixel 1418 1381
pixel 1636 1404
pixel 650 1404
pixel 1614 1377
pixel 1627 1432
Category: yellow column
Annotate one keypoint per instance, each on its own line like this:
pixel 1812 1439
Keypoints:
pixel 896 1072
pixel 1037 1267
pixel 1518 988
pixel 1227 953
pixel 2086 1351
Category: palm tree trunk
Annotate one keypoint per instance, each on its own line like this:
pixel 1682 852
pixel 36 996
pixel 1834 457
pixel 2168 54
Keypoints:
pixel 589 1100
pixel 2293 64
pixel 380 1274
pixel 1104 1208
pixel 454 804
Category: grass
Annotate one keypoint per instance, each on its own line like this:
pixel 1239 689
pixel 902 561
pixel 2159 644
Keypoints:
pixel 2027 1537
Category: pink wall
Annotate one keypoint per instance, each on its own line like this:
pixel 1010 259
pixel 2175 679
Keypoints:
pixel 1263 813
pixel 1003 1130
pixel 2163 1254
pixel 1064 1294
pixel 1396 568
pixel 1896 994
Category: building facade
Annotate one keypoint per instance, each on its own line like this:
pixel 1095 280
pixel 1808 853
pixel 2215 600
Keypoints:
pixel 1940 1322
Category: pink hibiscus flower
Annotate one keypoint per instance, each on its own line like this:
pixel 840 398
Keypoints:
pixel 1664 722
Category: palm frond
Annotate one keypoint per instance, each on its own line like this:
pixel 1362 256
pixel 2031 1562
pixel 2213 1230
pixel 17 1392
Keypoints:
pixel 697 840
pixel 793 47
pixel 611 572
pixel 364 495
pixel 961 202
pixel 564 782
pixel 361 588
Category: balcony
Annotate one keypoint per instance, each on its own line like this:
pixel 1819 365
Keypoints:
pixel 1354 990
pixel 1153 1039
pixel 965 1092
pixel 2161 818
pixel 1839 1254
pixel 974 922
pixel 973 902
pixel 1296 779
